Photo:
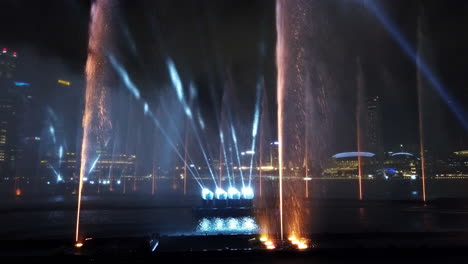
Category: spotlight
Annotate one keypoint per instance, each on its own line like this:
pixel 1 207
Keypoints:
pixel 247 193
pixel 207 194
pixel 233 193
pixel 221 194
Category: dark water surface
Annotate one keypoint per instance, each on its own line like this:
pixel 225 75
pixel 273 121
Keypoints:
pixel 333 208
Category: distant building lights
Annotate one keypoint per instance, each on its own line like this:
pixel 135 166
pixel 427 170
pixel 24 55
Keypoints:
pixel 402 154
pixel 67 83
pixel 353 154
pixel 21 84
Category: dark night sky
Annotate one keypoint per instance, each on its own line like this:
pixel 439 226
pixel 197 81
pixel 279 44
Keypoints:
pixel 214 40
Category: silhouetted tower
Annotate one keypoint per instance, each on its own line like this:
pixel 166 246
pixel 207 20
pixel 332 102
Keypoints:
pixel 373 127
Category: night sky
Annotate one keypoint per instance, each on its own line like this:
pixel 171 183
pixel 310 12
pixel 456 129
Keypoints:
pixel 214 41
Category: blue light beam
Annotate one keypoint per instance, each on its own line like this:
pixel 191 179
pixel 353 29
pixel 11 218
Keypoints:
pixel 234 139
pixel 124 76
pixel 255 128
pixel 454 106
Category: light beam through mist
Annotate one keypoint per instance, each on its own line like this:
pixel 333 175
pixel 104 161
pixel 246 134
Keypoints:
pixel 221 139
pixel 163 131
pixel 135 92
pixel 124 75
pixel 94 164
pixel 443 92
pixel 177 83
pixel 255 130
pixel 52 133
pixel 234 139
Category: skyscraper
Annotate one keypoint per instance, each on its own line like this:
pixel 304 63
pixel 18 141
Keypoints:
pixel 373 128
pixel 7 118
pixel 8 63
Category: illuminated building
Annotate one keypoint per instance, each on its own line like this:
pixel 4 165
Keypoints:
pixel 8 63
pixel 116 166
pixel 394 165
pixel 8 112
pixel 402 165
pixel 456 165
pixel 7 134
pixel 372 127
pixel 460 159
pixel 345 165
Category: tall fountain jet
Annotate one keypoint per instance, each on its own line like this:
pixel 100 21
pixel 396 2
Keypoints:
pixel 420 86
pixel 305 93
pixel 360 111
pixel 291 89
pixel 96 122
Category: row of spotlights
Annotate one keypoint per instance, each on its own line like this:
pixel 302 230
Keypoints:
pixel 232 194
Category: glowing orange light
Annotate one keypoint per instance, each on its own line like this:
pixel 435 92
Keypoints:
pixel 263 239
pixel 268 243
pixel 302 245
pixel 79 244
pixel 18 192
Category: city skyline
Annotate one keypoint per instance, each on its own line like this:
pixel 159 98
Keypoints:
pixel 236 127
pixel 55 90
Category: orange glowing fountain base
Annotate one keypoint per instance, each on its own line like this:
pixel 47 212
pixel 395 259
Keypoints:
pixel 292 243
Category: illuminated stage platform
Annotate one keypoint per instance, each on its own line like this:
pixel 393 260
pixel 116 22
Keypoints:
pixel 220 203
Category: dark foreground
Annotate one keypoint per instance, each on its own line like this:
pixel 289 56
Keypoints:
pixel 336 248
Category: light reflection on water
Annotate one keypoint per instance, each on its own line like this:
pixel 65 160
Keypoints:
pixel 230 225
